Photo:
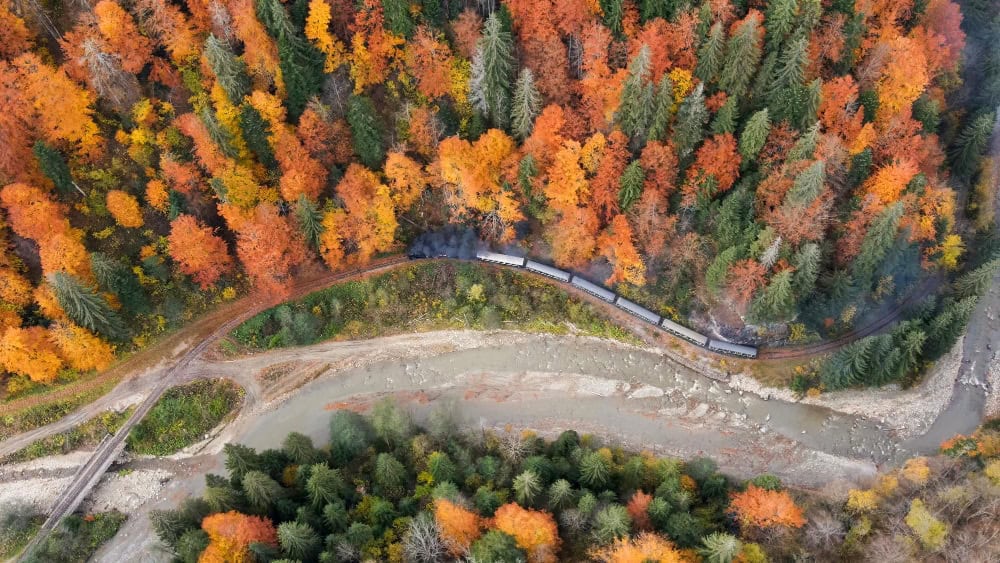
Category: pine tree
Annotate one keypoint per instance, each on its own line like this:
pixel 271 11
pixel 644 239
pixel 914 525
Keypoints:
pixel 662 110
pixel 526 487
pixel 978 281
pixel 710 54
pixel 54 166
pixel 397 17
pixel 610 523
pixel 631 185
pixel 301 66
pixel 636 106
pixel 256 132
pixel 764 81
pixel 777 301
pixel 350 434
pixel 649 9
pixel 879 238
pixel 310 220
pixel 814 97
pixel 613 11
pixel 754 135
pixel 595 470
pixel 861 167
pixel 298 541
pixel 299 448
pixel 389 476
pixel 86 307
pixel 805 146
pixel 230 71
pixel 495 545
pixel 790 68
pixel 391 424
pixel 365 131
pixel 492 72
pixel 808 185
pixel 560 495
pixel 720 547
pixel 742 56
pixel 970 144
pixel 239 460
pixel 725 118
pixel 806 262
pixel 691 118
pixel 527 104
pixel 261 490
pixel 715 275
pixel 847 366
pixel 324 484
pixel 114 277
pixel 780 18
pixel 219 135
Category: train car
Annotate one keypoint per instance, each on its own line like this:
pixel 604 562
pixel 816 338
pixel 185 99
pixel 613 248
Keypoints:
pixel 593 289
pixel 545 270
pixel 683 332
pixel 638 310
pixel 734 349
pixel 497 258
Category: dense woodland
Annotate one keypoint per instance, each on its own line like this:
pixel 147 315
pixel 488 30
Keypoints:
pixel 789 165
pixel 386 490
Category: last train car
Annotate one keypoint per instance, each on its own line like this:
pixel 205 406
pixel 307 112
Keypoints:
pixel 732 349
pixel 497 258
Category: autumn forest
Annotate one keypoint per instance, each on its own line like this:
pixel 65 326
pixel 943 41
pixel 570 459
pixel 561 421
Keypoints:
pixel 774 171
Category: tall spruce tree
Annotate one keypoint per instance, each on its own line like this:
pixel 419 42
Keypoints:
pixel 970 144
pixel 742 57
pixel 807 186
pixel 230 71
pixel 780 17
pixel 527 104
pixel 86 307
pixel 790 68
pixel 725 118
pixel 115 277
pixel 256 131
pixel 219 134
pixel 631 185
pixel 777 300
pixel 397 17
pixel 365 131
pixel 754 134
pixel 805 146
pixel 492 72
pixel 879 238
pixel 310 220
pixel 613 11
pixel 976 282
pixel 649 9
pixel 54 166
pixel 807 263
pixel 301 66
pixel 636 107
pixel 662 110
pixel 691 118
pixel 710 54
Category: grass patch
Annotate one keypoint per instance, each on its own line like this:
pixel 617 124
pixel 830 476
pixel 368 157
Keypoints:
pixel 38 415
pixel 183 415
pixel 18 524
pixel 87 434
pixel 77 538
pixel 427 296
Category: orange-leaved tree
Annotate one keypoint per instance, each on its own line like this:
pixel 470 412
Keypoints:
pixel 230 535
pixel 268 246
pixel 458 527
pixel 124 208
pixel 636 507
pixel 122 36
pixel 617 245
pixel 645 547
pixel 535 531
pixel 197 251
pixel 715 169
pixel 82 349
pixel 763 508
pixel 29 352
pixel 429 60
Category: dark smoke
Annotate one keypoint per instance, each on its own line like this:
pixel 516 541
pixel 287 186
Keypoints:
pixel 452 241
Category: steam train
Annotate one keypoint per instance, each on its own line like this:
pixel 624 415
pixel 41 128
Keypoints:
pixel 624 304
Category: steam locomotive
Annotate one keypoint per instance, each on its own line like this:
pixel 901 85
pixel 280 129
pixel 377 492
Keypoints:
pixel 624 304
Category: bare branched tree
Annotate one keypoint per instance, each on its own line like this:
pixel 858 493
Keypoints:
pixel 422 543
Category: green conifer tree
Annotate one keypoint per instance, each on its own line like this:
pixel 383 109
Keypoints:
pixel 230 70
pixel 662 110
pixel 725 118
pixel 976 282
pixel 54 166
pixel 492 72
pixel 115 277
pixel 879 238
pixel 527 104
pixel 298 541
pixel 691 118
pixel 256 132
pixel 807 186
pixel 780 17
pixel 310 220
pixel 970 144
pixel 613 11
pixel 86 307
pixel 261 490
pixel 777 300
pixel 754 135
pixel 636 107
pixel 631 185
pixel 807 263
pixel 742 57
pixel 397 17
pixel 710 54
pixel 805 146
pixel 365 131
pixel 715 275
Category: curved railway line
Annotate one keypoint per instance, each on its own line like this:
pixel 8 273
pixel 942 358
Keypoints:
pixel 89 474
